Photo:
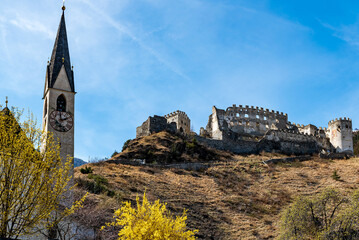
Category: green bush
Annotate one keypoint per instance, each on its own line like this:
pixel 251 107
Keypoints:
pixel 335 175
pixel 114 153
pixel 96 184
pixel 125 145
pixel 98 179
pixel 192 144
pixel 86 170
pixel 328 215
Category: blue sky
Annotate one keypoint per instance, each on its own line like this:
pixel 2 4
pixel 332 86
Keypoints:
pixel 136 58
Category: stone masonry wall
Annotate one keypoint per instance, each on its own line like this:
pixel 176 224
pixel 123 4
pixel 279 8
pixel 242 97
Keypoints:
pixel 153 125
pixel 248 120
pixel 341 135
pixel 182 121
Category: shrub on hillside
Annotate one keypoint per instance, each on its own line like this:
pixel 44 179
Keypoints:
pixel 335 175
pixel 125 145
pixel 114 153
pixel 150 221
pixel 327 215
pixel 86 170
pixel 96 184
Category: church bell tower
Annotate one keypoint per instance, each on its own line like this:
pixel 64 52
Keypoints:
pixel 59 93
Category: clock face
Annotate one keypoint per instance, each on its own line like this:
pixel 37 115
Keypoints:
pixel 61 121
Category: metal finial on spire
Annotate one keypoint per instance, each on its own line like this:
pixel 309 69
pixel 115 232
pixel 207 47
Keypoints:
pixel 63 5
pixel 6 102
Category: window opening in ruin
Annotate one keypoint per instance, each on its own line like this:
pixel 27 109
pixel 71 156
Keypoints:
pixel 181 130
pixel 346 126
pixel 265 118
pixel 61 103
pixel 237 115
pixel 246 115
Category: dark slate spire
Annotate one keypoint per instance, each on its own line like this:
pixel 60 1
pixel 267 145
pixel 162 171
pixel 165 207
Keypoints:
pixel 60 56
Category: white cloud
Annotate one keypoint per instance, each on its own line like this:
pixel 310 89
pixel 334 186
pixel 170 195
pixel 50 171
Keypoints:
pixel 347 33
pixel 32 26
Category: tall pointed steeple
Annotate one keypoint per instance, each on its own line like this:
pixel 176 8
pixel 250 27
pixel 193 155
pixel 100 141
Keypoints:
pixel 59 96
pixel 60 57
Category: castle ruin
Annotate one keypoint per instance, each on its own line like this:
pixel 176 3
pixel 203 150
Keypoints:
pixel 248 129
pixel 174 122
pixel 271 130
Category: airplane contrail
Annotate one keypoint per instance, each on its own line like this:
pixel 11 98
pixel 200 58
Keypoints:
pixel 124 30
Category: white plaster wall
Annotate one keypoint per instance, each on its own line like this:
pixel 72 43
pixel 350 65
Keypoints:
pixel 62 81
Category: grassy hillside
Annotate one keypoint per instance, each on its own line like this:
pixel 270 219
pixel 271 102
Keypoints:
pixel 166 148
pixel 237 197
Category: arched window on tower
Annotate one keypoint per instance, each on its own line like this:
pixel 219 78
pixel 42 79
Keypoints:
pixel 61 103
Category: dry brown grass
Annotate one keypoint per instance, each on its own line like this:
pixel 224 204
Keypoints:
pixel 236 199
pixel 164 147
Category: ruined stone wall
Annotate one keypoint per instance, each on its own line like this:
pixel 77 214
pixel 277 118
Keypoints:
pixel 153 125
pixel 182 121
pixel 246 120
pixel 341 134
pixel 275 142
pixel 308 129
pixel 269 130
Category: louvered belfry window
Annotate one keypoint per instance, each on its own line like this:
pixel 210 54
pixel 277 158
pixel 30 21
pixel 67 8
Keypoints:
pixel 61 103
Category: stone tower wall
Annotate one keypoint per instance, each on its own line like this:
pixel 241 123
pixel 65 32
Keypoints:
pixel 153 125
pixel 182 121
pixel 341 135
pixel 66 139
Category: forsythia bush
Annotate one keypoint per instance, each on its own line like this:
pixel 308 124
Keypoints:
pixel 34 179
pixel 150 221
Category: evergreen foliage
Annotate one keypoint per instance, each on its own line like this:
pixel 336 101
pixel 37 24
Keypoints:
pixel 335 175
pixel 125 145
pixel 86 170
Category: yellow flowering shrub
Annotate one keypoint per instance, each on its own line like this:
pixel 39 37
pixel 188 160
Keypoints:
pixel 34 179
pixel 150 221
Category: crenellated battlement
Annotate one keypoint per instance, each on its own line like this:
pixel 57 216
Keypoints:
pixel 181 119
pixel 340 120
pixel 340 132
pixel 255 110
pixel 178 112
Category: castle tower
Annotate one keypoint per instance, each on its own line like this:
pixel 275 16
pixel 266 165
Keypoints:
pixel 182 121
pixel 341 134
pixel 59 93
